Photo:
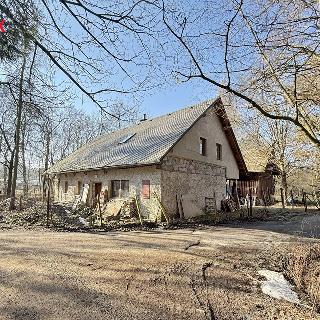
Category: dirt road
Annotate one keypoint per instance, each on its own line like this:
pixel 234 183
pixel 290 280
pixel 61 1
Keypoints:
pixel 162 274
pixel 296 223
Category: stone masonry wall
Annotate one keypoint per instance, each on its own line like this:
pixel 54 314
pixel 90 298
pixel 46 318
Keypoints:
pixel 149 207
pixel 195 179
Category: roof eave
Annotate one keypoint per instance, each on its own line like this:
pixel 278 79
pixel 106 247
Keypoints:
pixel 225 122
pixel 104 168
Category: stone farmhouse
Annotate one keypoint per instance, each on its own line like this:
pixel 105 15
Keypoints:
pixel 180 162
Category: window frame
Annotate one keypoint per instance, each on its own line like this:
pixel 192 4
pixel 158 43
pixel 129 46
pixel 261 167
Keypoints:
pixel 219 151
pixel 115 193
pixel 145 185
pixel 203 146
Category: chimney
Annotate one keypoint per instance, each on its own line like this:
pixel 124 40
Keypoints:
pixel 144 117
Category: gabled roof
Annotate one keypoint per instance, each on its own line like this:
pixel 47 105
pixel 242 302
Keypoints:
pixel 145 143
pixel 227 128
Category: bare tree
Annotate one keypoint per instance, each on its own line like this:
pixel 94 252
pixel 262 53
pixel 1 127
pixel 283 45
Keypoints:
pixel 18 132
pixel 252 49
pixel 260 51
pixel 105 52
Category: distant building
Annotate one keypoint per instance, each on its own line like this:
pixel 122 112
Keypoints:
pixel 261 182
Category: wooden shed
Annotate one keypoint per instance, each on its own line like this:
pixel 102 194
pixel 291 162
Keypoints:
pixel 261 184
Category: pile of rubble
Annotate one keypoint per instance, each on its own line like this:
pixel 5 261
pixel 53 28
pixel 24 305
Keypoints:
pixel 31 212
pixel 114 211
pixel 28 212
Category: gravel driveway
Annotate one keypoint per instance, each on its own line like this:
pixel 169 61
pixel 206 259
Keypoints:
pixel 296 223
pixel 163 274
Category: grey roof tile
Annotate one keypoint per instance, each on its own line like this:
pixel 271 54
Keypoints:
pixel 152 139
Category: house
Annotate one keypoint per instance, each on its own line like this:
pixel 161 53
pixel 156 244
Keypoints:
pixel 178 162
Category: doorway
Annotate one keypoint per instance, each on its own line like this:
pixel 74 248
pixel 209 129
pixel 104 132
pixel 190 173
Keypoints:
pixel 97 189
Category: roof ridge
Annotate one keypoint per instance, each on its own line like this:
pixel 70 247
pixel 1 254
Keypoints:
pixel 208 101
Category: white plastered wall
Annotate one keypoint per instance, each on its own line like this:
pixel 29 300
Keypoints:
pixel 210 128
pixel 149 207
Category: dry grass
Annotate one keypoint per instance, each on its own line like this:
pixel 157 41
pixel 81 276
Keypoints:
pixel 304 270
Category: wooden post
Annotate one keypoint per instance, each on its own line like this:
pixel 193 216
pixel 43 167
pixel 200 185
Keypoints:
pixel 305 202
pixel 237 195
pixel 247 203
pixel 179 206
pixel 264 199
pixel 100 212
pixel 163 210
pixel 250 202
pixel 48 204
pixel 139 211
pixel 282 198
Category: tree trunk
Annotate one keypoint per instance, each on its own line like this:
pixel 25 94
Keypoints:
pixel 282 198
pixel 283 167
pixel 284 183
pixel 23 158
pixel 48 203
pixel 46 158
pixel 47 150
pixel 17 135
pixel 5 174
pixel 10 171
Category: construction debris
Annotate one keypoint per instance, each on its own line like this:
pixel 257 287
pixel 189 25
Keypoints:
pixel 229 205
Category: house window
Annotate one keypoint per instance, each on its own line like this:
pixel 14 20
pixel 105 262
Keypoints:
pixel 219 151
pixel 66 185
pixel 203 146
pixel 126 138
pixel 119 188
pixel 145 190
pixel 79 187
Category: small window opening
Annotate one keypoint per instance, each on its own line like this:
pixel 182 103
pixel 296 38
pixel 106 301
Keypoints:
pixel 119 188
pixel 219 151
pixel 203 146
pixel 126 138
pixel 66 186
pixel 145 191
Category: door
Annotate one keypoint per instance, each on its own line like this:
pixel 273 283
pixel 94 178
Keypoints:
pixel 97 189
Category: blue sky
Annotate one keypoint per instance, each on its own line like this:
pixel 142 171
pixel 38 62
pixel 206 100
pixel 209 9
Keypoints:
pixel 166 99
pixel 176 97
pixel 169 95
